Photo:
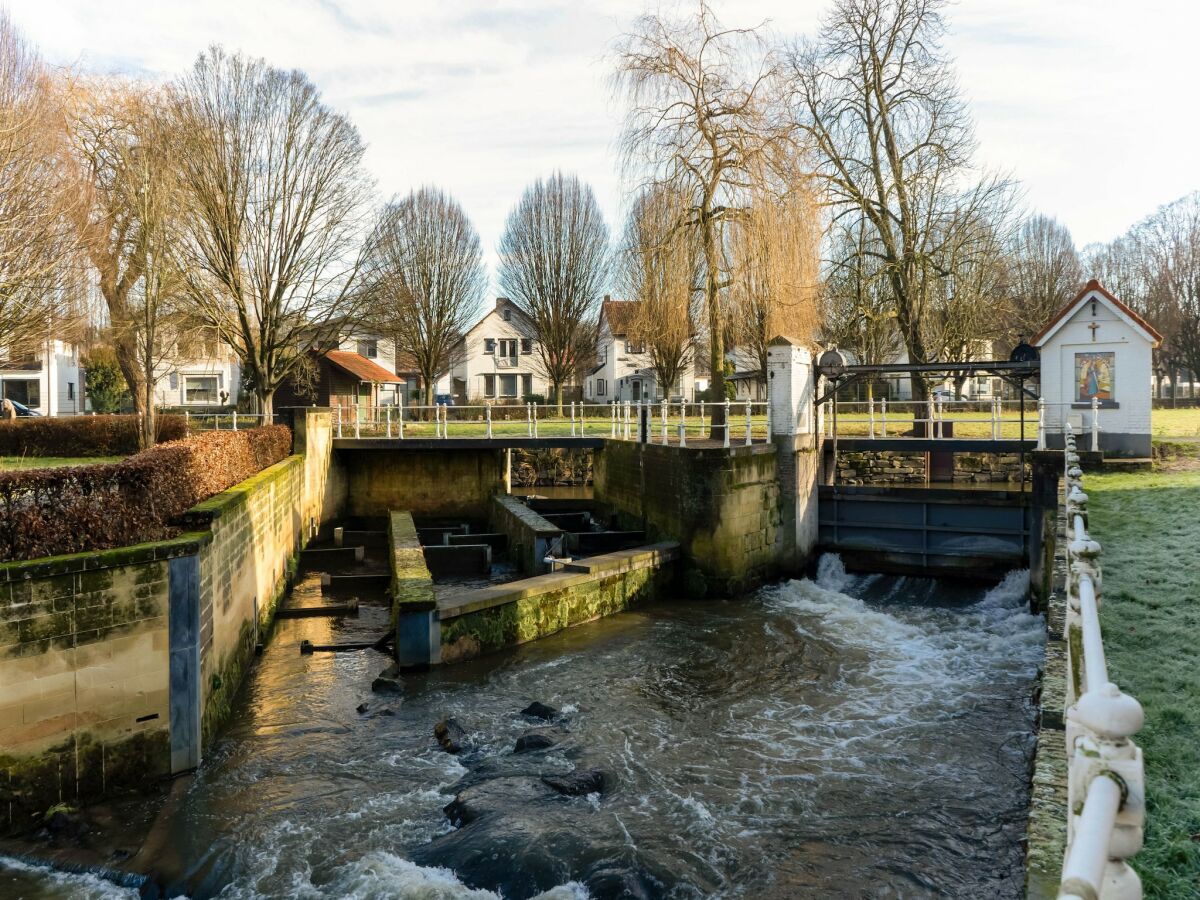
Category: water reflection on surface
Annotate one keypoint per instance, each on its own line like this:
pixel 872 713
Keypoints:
pixel 844 737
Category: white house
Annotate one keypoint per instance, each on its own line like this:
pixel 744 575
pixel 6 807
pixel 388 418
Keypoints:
pixel 623 367
pixel 1098 348
pixel 204 374
pixel 46 380
pixel 496 359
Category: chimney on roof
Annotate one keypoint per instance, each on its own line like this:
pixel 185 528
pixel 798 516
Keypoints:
pixel 500 301
pixel 607 297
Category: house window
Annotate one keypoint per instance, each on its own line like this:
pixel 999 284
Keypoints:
pixel 508 385
pixel 634 347
pixel 508 348
pixel 70 390
pixel 369 349
pixel 526 345
pixel 600 387
pixel 507 314
pixel 526 385
pixel 489 345
pixel 489 385
pixel 200 388
pixel 27 391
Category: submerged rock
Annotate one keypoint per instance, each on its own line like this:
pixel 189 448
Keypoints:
pixel 538 710
pixel 372 712
pixel 497 796
pixel 579 783
pixel 451 735
pixel 539 739
pixel 388 681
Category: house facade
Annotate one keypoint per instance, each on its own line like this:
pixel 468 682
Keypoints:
pixel 624 371
pixel 202 375
pixel 496 360
pixel 48 380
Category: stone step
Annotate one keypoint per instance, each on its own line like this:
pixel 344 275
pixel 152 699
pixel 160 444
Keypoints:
pixel 349 608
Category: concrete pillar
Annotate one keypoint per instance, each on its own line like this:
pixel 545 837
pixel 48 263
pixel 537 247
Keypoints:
pixel 791 387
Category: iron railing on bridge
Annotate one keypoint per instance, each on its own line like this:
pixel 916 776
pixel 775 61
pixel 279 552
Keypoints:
pixel 666 422
pixel 941 418
pixel 1105 788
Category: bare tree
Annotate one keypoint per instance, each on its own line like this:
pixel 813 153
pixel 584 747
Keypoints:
pixel 1044 273
pixel 35 246
pixel 775 255
pixel 698 121
pixel 277 205
pixel 553 265
pixel 878 99
pixel 426 278
pixel 660 269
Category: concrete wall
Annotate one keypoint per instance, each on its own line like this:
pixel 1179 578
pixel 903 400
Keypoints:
pixel 119 667
pixel 896 467
pixel 424 482
pixel 489 619
pixel 723 506
pixel 530 537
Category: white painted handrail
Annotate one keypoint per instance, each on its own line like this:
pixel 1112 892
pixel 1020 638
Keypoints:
pixel 1105 784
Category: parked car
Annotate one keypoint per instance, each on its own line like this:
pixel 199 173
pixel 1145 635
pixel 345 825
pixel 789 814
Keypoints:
pixel 943 394
pixel 23 410
pixel 444 399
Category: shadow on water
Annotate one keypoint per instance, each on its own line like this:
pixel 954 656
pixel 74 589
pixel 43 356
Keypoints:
pixel 840 737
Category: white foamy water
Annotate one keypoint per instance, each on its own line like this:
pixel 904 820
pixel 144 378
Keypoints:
pixel 33 882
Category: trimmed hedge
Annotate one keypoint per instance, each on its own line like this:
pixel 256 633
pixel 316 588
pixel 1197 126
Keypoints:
pixel 81 435
pixel 74 509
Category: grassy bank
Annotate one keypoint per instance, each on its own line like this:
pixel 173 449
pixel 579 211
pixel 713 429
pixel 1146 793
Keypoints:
pixel 1149 527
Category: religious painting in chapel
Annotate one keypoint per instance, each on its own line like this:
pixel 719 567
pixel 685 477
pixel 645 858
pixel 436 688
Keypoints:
pixel 1094 374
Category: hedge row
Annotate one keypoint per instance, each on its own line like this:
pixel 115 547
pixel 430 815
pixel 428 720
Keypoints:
pixel 81 435
pixel 72 509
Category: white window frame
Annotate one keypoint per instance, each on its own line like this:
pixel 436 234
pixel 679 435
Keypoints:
pixel 600 386
pixel 516 383
pixel 183 387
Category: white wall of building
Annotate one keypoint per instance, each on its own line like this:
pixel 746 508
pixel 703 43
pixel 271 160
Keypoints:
pixel 50 385
pixel 497 360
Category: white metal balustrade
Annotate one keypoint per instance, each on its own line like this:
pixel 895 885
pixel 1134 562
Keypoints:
pixel 1105 786
pixel 665 422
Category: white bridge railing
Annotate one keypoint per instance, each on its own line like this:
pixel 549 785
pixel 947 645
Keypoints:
pixel 991 418
pixel 665 422
pixel 1105 788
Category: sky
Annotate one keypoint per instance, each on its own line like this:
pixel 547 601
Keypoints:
pixel 1090 105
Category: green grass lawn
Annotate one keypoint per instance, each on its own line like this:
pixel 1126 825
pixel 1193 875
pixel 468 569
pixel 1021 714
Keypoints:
pixel 1175 422
pixel 46 462
pixel 1149 527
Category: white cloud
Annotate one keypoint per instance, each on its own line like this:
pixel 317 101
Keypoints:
pixel 1088 104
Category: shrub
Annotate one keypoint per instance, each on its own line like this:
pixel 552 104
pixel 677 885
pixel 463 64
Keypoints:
pixel 72 509
pixel 81 435
pixel 106 386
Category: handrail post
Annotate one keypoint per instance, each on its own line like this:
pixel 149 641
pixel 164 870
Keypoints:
pixel 665 409
pixel 388 415
pixel 1041 425
pixel 613 409
pixel 400 417
pixel 883 416
pixel 749 424
pixel 535 420
pixel 572 418
pixel 235 420
pixel 702 415
pixel 728 423
pixel 626 410
pixel 683 423
pixel 871 417
pixel 338 409
pixel 488 416
pixel 1095 424
pixel 529 419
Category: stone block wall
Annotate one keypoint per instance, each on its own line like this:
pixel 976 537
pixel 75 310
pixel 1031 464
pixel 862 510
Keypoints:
pixel 83 676
pixel 880 467
pixel 722 505
pixel 898 467
pixel 424 482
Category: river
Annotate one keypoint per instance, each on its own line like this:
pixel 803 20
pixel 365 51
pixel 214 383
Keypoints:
pixel 849 736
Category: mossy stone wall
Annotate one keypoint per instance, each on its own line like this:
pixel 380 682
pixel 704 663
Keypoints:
pixel 722 505
pixel 424 482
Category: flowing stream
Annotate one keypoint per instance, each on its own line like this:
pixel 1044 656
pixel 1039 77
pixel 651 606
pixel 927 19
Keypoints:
pixel 844 737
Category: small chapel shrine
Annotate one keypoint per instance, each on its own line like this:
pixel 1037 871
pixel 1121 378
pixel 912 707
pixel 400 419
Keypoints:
pixel 1096 362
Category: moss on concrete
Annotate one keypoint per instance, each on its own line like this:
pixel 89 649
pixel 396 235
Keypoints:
pixel 412 584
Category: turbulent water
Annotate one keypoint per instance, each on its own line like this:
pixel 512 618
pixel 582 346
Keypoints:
pixel 843 737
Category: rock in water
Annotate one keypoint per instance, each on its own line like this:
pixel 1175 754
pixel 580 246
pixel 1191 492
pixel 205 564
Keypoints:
pixel 498 796
pixel 537 710
pixel 578 783
pixel 538 739
pixel 451 735
pixel 388 681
